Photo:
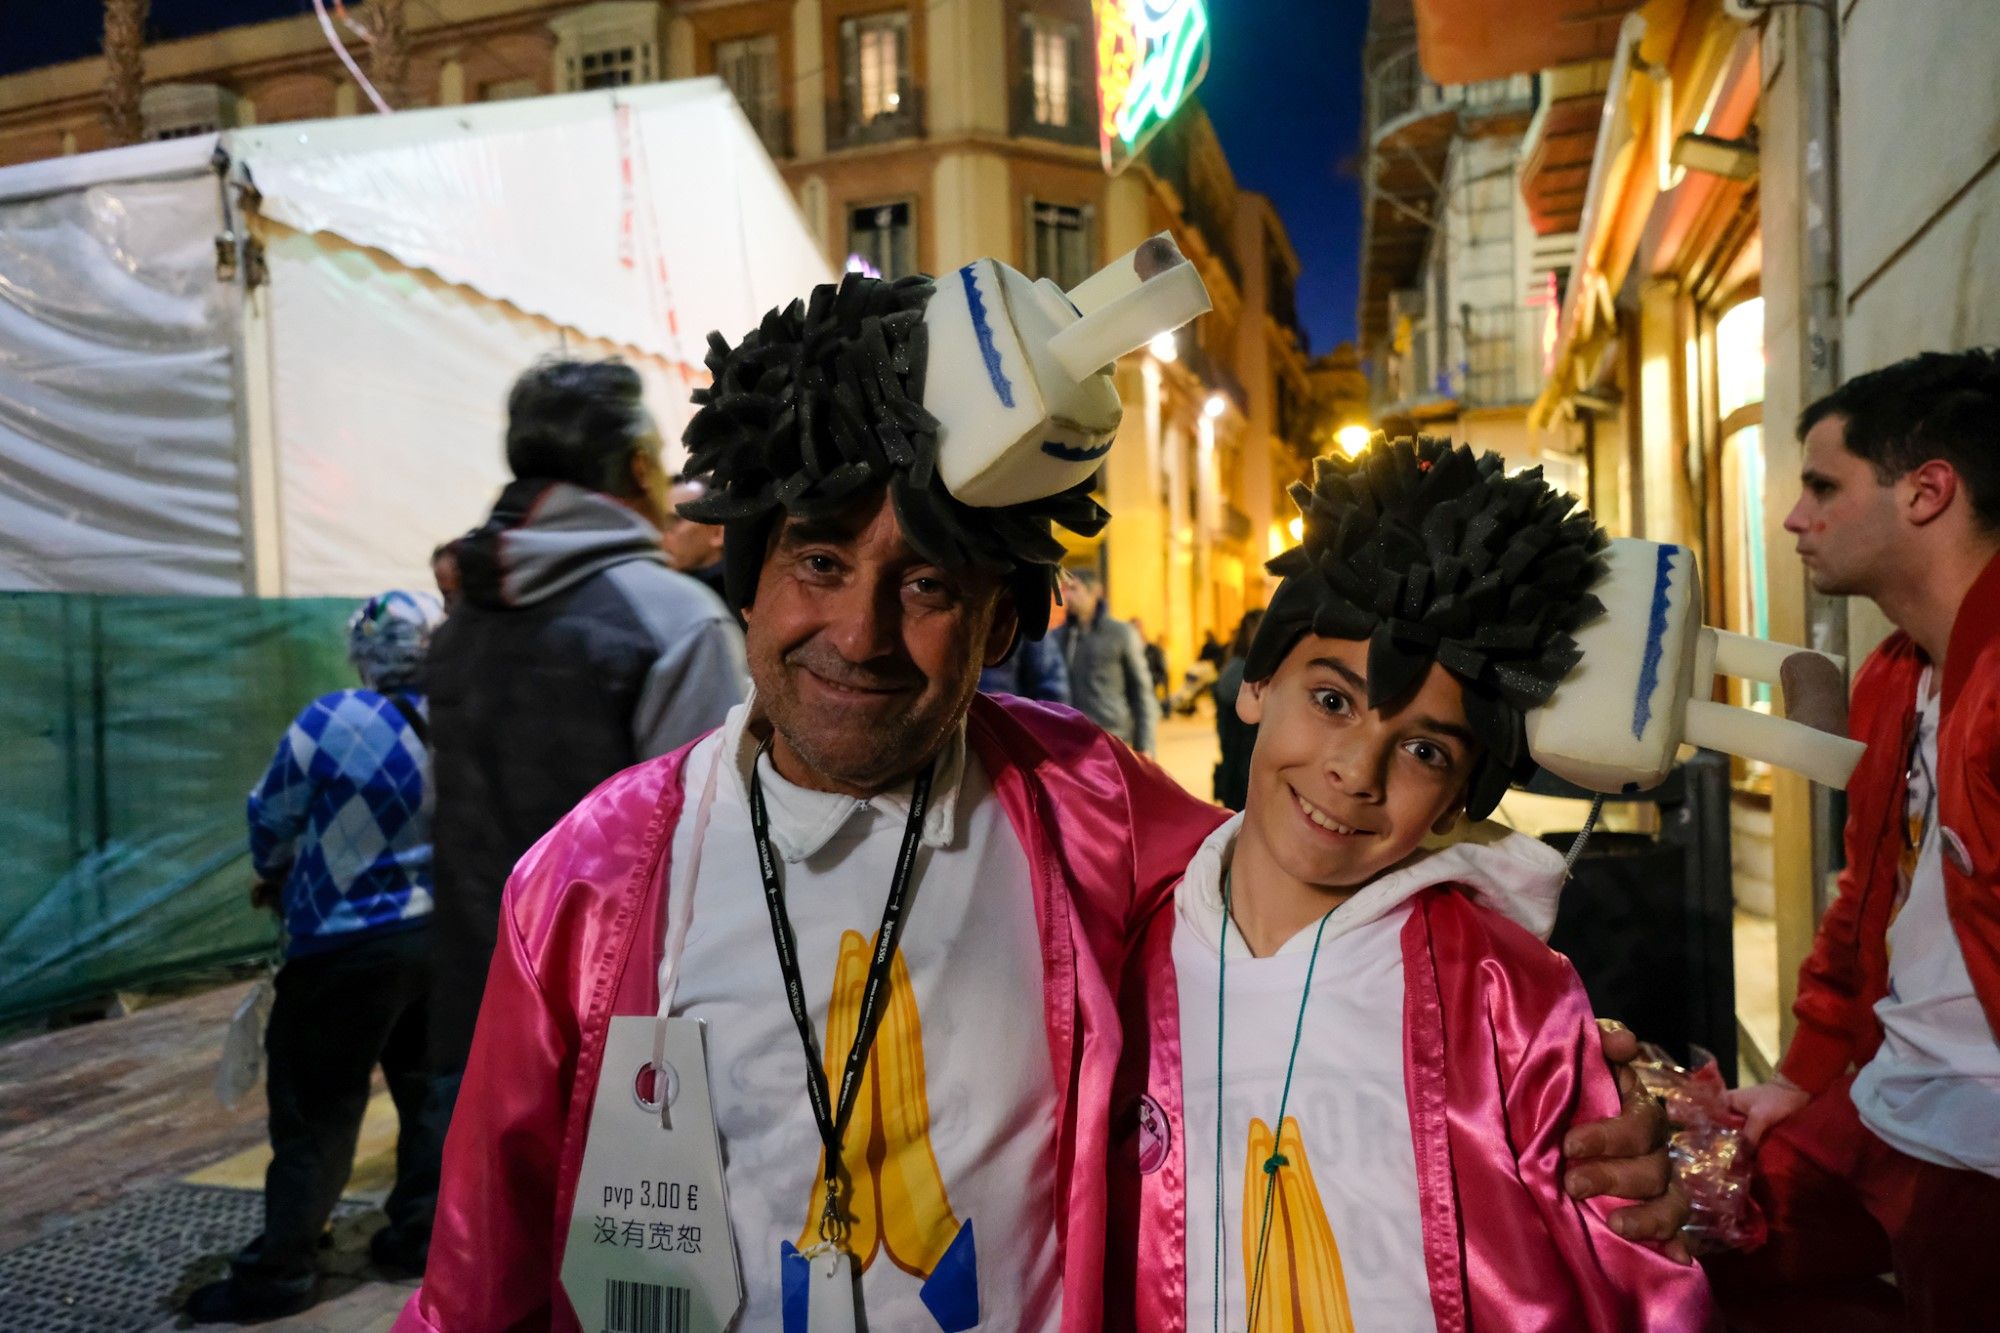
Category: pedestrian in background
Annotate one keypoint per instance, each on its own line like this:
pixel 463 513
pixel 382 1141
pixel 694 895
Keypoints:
pixel 340 840
pixel 444 570
pixel 1108 679
pixel 1237 737
pixel 1032 670
pixel 1156 664
pixel 693 548
pixel 577 652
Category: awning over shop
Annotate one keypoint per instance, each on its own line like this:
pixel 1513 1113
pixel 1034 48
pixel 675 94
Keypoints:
pixel 1556 175
pixel 1465 41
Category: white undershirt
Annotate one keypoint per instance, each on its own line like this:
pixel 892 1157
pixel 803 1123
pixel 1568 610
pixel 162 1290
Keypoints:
pixel 1933 1088
pixel 982 1063
pixel 1347 1098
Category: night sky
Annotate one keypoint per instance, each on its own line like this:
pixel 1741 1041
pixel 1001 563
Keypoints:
pixel 1283 87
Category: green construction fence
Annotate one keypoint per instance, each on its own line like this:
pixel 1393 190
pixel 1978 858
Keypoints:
pixel 131 730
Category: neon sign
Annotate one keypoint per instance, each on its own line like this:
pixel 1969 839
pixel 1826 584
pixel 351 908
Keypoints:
pixel 1150 56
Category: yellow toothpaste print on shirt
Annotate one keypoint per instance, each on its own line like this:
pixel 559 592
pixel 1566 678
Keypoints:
pixel 893 1194
pixel 1304 1289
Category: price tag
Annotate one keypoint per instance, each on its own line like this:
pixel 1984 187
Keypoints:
pixel 649 1244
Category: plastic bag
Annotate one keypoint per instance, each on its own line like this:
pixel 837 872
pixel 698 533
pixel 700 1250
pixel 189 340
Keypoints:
pixel 1711 1158
pixel 243 1045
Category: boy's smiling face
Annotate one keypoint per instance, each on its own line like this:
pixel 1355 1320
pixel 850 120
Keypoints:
pixel 1340 792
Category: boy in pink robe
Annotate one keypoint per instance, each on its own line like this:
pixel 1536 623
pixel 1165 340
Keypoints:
pixel 1352 1054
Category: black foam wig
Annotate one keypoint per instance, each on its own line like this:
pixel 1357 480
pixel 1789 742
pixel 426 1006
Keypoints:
pixel 1431 554
pixel 822 403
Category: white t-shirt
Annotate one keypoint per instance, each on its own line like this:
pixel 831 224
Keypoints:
pixel 960 1085
pixel 1932 1090
pixel 1345 1232
pixel 1345 1235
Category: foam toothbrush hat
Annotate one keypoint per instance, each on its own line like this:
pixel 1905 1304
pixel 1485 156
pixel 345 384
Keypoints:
pixel 1642 689
pixel 1019 372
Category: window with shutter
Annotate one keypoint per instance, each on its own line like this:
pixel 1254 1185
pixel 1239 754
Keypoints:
pixel 1061 243
pixel 882 238
pixel 749 65
pixel 1048 70
pixel 1055 95
pixel 610 44
pixel 876 95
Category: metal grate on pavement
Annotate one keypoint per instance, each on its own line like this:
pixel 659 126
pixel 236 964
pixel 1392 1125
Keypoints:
pixel 126 1267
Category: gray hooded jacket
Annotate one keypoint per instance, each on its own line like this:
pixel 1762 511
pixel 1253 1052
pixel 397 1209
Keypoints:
pixel 576 653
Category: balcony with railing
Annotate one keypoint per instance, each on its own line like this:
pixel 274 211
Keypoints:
pixel 1063 113
pixel 773 124
pixel 1399 95
pixel 850 125
pixel 1483 358
pixel 1501 346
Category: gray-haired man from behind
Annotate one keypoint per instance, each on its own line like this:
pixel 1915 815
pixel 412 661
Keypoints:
pixel 577 652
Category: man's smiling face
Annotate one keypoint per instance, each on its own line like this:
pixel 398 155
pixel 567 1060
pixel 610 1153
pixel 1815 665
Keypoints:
pixel 1339 791
pixel 864 653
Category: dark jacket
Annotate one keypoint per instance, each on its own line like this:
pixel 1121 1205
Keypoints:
pixel 576 653
pixel 1108 679
pixel 1237 738
pixel 1034 670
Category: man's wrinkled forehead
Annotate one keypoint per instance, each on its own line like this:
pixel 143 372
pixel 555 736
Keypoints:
pixel 870 519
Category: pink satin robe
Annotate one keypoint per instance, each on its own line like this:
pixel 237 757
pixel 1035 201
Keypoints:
pixel 1500 1058
pixel 1107 836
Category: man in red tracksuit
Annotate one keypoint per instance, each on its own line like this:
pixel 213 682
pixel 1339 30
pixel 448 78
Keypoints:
pixel 1878 1141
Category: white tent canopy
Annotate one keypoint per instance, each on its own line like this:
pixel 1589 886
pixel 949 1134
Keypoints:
pixel 315 424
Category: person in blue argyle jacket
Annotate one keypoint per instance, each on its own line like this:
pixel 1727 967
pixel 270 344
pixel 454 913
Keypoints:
pixel 340 840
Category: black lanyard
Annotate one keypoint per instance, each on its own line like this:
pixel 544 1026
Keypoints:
pixel 832 1120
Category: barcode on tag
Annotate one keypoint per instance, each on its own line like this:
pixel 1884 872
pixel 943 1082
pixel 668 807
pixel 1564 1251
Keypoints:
pixel 646 1307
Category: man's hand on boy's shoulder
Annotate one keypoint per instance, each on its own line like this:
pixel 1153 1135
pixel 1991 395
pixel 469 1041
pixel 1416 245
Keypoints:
pixel 1626 1157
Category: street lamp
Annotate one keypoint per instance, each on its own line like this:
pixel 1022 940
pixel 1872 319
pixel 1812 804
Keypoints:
pixel 1214 407
pixel 1297 527
pixel 1353 439
pixel 1165 347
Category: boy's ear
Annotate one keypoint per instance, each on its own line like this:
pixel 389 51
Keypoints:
pixel 1250 702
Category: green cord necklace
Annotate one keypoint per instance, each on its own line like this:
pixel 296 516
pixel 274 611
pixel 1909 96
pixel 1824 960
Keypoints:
pixel 1276 1159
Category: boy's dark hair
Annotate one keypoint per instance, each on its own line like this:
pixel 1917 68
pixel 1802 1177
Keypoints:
pixel 1935 405
pixel 821 404
pixel 1433 555
pixel 579 422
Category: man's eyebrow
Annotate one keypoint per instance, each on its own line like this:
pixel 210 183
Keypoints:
pixel 797 532
pixel 1814 477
